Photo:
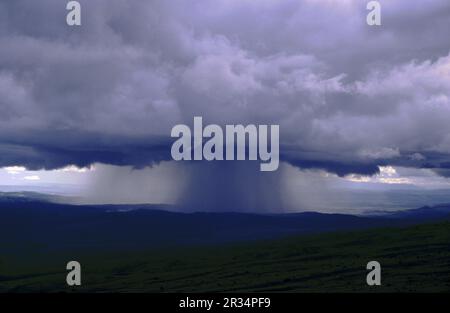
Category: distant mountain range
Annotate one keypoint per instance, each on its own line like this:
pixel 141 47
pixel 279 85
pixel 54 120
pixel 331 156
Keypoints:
pixel 32 222
pixel 423 213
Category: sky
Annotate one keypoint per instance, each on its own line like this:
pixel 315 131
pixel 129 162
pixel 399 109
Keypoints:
pixel 88 110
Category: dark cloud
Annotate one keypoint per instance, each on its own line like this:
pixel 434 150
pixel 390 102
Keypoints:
pixel 82 149
pixel 347 97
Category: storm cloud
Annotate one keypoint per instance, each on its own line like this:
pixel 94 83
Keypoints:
pixel 348 97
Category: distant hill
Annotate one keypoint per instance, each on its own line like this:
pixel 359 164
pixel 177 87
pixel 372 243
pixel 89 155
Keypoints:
pixel 32 223
pixel 423 213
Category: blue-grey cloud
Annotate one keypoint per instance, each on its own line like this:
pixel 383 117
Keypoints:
pixel 348 97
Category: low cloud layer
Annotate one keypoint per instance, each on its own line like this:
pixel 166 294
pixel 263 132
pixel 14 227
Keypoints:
pixel 348 97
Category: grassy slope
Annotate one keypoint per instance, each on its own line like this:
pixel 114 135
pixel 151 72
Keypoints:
pixel 413 259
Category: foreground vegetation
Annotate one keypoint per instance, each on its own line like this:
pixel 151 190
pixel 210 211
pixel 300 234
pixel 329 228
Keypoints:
pixel 413 259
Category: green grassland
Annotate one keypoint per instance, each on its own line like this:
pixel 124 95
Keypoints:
pixel 413 259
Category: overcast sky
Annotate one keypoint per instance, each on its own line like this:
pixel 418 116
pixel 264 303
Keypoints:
pixel 349 98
